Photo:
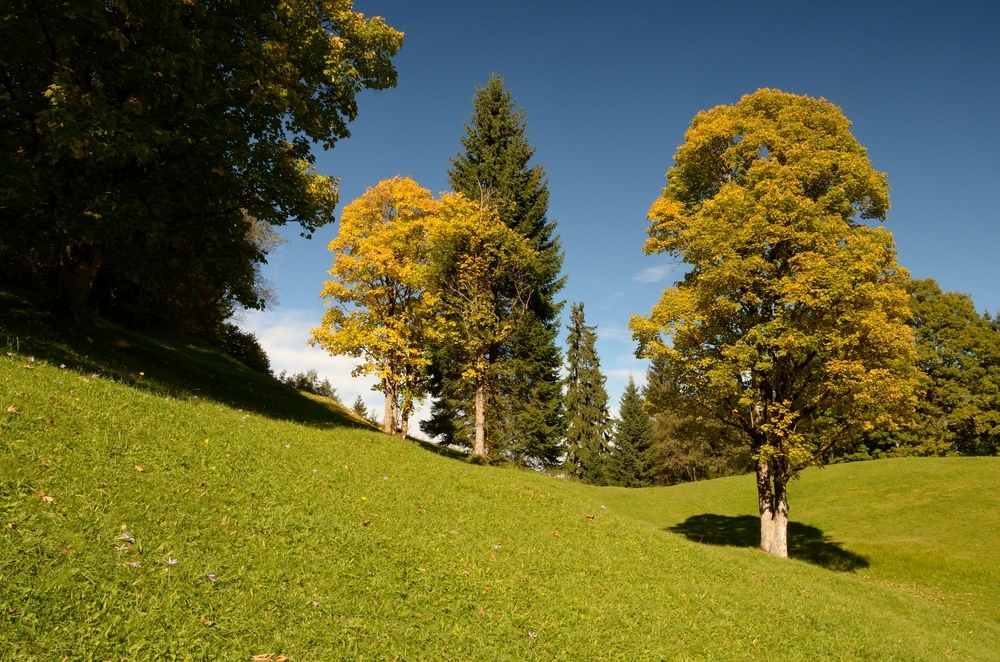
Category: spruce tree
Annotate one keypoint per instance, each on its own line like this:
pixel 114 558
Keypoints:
pixel 524 419
pixel 587 420
pixel 632 459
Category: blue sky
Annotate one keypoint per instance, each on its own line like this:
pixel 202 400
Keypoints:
pixel 609 89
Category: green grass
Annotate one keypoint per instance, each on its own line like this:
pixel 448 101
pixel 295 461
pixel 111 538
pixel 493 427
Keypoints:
pixel 327 540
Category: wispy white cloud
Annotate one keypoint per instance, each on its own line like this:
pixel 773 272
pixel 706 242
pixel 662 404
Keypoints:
pixel 653 274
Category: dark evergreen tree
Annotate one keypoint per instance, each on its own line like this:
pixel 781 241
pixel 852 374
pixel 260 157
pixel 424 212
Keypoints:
pixel 587 419
pixel 524 421
pixel 359 408
pixel 632 459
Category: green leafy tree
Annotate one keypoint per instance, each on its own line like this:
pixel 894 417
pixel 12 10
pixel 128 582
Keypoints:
pixel 790 325
pixel 687 448
pixel 587 419
pixel 632 463
pixel 958 350
pixel 140 139
pixel 526 406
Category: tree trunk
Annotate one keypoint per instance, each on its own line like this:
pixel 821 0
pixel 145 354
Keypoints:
pixel 389 416
pixel 79 271
pixel 479 450
pixel 404 421
pixel 773 502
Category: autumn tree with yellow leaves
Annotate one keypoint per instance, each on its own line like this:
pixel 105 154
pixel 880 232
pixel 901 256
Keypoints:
pixel 411 273
pixel 789 327
pixel 472 250
pixel 379 308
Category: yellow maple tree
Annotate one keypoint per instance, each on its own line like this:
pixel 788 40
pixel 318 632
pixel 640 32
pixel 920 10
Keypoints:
pixel 378 305
pixel 789 328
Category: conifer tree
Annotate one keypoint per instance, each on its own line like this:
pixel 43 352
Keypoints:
pixel 587 420
pixel 632 459
pixel 525 403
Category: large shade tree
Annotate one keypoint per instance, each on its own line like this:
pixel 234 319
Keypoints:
pixel 140 140
pixel 789 326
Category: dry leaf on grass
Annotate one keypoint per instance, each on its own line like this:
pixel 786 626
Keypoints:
pixel 140 468
pixel 45 497
pixel 207 623
pixel 269 657
pixel 12 410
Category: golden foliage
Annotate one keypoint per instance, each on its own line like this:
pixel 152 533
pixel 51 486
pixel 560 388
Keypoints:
pixel 790 325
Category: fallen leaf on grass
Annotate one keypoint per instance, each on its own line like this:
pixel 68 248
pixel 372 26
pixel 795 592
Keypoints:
pixel 140 468
pixel 366 522
pixel 557 534
pixel 45 497
pixel 12 410
pixel 207 623
pixel 591 517
pixel 269 657
pixel 64 550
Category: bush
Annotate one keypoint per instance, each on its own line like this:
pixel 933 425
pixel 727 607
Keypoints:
pixel 309 382
pixel 245 348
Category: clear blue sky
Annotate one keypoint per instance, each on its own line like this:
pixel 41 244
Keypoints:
pixel 609 89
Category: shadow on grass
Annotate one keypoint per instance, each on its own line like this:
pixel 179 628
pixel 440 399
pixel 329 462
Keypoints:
pixel 160 363
pixel 806 543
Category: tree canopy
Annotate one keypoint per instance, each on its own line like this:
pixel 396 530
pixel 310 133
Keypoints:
pixel 142 138
pixel 790 325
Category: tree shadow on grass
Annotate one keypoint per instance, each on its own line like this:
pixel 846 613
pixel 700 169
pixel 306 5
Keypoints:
pixel 806 543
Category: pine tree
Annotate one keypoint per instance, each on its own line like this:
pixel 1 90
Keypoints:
pixel 587 417
pixel 359 408
pixel 525 406
pixel 632 459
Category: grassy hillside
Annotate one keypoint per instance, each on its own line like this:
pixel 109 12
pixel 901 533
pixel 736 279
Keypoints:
pixel 158 501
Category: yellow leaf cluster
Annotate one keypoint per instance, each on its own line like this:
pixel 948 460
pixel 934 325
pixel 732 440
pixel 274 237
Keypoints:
pixel 790 325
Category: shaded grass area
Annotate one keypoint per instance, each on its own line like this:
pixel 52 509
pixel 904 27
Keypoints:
pixel 806 543
pixel 162 364
pixel 142 522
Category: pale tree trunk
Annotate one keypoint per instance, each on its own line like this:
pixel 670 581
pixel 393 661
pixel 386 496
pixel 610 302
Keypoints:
pixel 389 417
pixel 773 502
pixel 404 421
pixel 479 450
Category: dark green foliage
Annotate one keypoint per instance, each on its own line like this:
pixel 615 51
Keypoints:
pixel 684 448
pixel 587 420
pixel 359 408
pixel 524 421
pixel 245 348
pixel 139 140
pixel 309 382
pixel 958 351
pixel 632 462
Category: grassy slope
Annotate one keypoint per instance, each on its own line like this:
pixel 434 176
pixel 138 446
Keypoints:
pixel 329 541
